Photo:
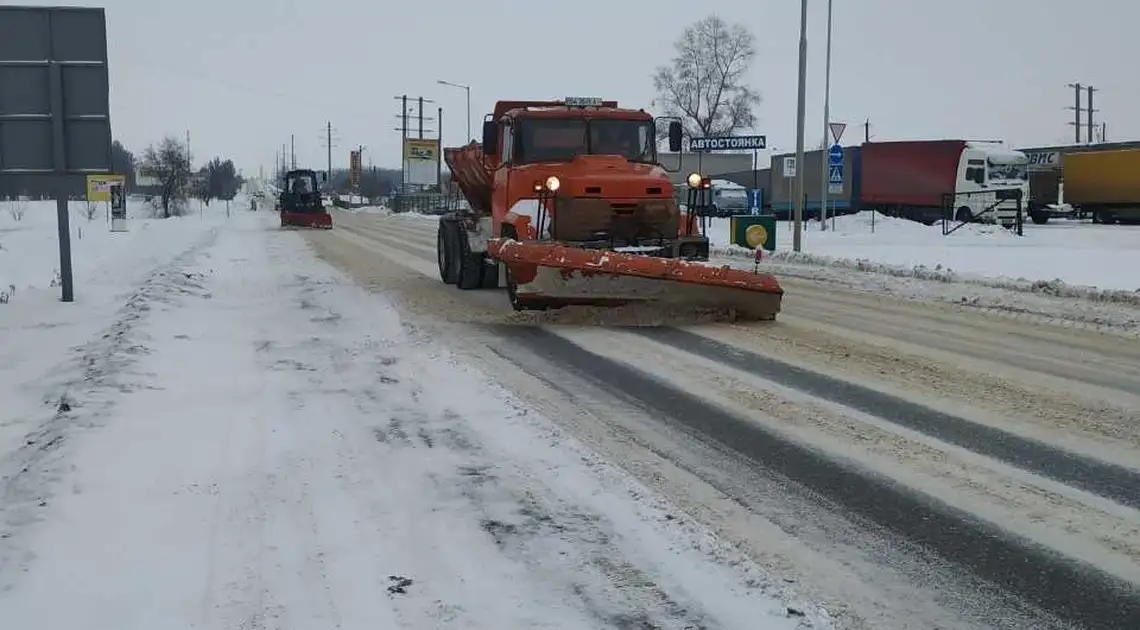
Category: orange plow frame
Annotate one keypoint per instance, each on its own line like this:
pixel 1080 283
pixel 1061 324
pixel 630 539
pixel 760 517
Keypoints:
pixel 306 219
pixel 699 284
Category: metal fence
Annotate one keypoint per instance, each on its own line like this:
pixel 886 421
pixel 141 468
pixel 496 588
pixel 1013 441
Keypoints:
pixel 422 203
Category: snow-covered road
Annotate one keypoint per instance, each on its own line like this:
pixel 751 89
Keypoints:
pixel 249 440
pixel 909 463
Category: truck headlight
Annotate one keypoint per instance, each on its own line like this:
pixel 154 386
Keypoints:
pixel 694 180
pixel 552 183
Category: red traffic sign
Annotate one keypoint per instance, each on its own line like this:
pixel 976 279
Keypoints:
pixel 837 129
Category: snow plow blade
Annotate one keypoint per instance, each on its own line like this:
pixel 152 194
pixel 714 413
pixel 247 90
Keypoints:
pixel 552 276
pixel 306 219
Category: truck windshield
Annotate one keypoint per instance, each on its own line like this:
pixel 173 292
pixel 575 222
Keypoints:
pixel 554 140
pixel 303 185
pixel 1009 172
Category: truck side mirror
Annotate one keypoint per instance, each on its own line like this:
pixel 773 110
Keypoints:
pixel 675 137
pixel 490 137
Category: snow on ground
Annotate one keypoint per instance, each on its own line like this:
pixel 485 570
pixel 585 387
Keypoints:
pixel 1108 310
pixel 1077 254
pixel 222 432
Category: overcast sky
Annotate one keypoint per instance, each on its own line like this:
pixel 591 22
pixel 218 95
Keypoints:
pixel 242 75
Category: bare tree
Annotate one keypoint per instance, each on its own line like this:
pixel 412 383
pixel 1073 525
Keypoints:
pixel 704 86
pixel 169 163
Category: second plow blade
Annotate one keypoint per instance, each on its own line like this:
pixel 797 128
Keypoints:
pixel 550 275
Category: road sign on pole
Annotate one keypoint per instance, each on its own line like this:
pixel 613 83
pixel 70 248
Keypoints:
pixel 728 143
pixel 55 110
pixel 837 129
pixel 835 155
pixel 835 170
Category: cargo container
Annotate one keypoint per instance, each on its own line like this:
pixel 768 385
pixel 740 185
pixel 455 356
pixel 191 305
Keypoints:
pixel 912 180
pixel 1046 187
pixel 781 195
pixel 1105 184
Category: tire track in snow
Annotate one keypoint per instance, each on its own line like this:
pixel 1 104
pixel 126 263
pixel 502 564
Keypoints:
pixel 30 473
pixel 1110 481
pixel 567 550
pixel 1061 585
pixel 797 343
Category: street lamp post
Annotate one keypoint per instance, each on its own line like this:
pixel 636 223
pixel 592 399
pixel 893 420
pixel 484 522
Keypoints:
pixel 466 88
pixel 824 197
pixel 797 231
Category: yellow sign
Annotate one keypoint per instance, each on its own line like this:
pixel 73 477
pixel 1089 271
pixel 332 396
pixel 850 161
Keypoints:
pixel 421 150
pixel 756 236
pixel 99 186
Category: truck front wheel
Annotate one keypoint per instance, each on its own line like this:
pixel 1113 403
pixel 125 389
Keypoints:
pixel 445 250
pixel 1039 217
pixel 470 264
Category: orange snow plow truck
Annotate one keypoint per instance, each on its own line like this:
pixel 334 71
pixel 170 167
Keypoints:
pixel 567 204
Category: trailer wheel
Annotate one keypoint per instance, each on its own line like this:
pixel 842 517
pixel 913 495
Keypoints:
pixel 1105 217
pixel 470 264
pixel 445 251
pixel 1038 217
pixel 964 215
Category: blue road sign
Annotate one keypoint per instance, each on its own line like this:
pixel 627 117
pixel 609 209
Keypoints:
pixel 729 143
pixel 835 155
pixel 754 197
pixel 835 174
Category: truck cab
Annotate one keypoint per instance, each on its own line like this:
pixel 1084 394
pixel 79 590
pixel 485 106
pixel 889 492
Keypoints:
pixel 984 169
pixel 584 171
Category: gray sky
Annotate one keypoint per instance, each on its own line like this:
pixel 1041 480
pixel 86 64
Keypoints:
pixel 242 75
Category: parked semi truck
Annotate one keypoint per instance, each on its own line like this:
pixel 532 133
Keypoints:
pixel 1104 184
pixel 916 180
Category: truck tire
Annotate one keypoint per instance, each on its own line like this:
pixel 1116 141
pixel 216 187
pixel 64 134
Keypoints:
pixel 445 251
pixel 1039 217
pixel 964 215
pixel 490 274
pixel 470 264
pixel 512 287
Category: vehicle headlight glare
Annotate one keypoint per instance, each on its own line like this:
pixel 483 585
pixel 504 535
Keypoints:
pixel 694 180
pixel 552 183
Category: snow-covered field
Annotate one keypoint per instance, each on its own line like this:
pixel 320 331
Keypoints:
pixel 222 432
pixel 1076 253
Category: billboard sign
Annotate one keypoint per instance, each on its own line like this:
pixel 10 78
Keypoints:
pixel 421 161
pixel 99 186
pixel 355 168
pixel 54 94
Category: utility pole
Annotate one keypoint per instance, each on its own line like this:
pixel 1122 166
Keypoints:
pixel 328 141
pixel 439 152
pixel 1089 110
pixel 867 130
pixel 1076 111
pixel 797 232
pixel 292 151
pixel 825 154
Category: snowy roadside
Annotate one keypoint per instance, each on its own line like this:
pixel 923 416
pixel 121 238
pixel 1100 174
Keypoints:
pixel 47 342
pixel 1069 260
pixel 258 441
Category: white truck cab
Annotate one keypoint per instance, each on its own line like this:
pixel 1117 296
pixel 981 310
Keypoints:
pixel 984 169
